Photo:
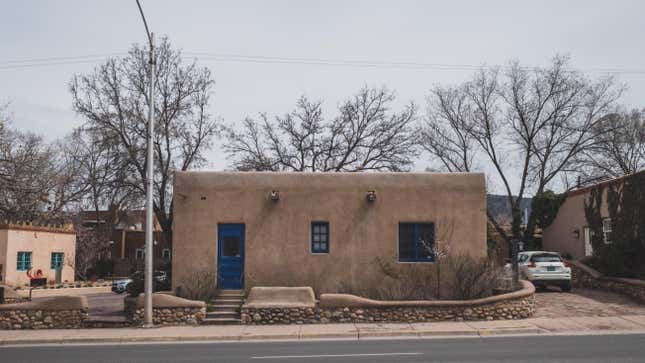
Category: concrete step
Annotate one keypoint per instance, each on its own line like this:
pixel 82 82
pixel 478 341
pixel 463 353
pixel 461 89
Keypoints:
pixel 224 307
pixel 223 314
pixel 230 293
pixel 228 301
pixel 221 321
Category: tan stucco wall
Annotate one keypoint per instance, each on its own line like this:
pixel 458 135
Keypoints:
pixel 41 244
pixel 559 235
pixel 277 249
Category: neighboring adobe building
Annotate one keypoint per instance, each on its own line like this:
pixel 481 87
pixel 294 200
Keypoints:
pixel 569 232
pixel 27 248
pixel 244 229
pixel 127 239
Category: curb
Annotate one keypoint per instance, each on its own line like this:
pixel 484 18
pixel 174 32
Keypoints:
pixel 510 331
pixel 269 337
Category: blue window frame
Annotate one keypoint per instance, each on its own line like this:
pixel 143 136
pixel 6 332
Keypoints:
pixel 24 261
pixel 320 237
pixel 416 242
pixel 57 260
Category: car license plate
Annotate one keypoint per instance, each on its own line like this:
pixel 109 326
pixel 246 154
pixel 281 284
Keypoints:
pixel 550 268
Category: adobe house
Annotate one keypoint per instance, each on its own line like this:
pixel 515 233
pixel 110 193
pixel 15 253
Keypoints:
pixel 245 229
pixel 127 239
pixel 28 248
pixel 569 232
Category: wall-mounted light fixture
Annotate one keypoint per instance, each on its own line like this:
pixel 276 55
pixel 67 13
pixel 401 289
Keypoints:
pixel 576 233
pixel 371 195
pixel 274 195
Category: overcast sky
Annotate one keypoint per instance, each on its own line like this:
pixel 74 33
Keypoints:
pixel 596 34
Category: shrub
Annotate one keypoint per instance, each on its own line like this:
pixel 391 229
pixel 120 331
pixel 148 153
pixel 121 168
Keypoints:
pixel 397 282
pixel 202 286
pixel 467 278
pixel 473 278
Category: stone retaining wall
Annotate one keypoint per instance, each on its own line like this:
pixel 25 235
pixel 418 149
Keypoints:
pixel 586 277
pixel 343 308
pixel 167 310
pixel 15 299
pixel 53 313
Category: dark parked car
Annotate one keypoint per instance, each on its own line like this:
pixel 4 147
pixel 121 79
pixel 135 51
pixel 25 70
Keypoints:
pixel 161 281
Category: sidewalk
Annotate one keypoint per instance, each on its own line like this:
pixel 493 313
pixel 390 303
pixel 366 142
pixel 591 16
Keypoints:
pixel 586 325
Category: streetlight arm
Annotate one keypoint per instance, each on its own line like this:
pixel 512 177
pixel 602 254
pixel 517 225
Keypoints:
pixel 145 23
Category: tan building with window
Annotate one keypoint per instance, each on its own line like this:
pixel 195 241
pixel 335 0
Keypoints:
pixel 27 249
pixel 127 239
pixel 325 230
pixel 569 233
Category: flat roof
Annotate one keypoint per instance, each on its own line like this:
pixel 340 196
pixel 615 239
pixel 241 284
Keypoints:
pixel 37 228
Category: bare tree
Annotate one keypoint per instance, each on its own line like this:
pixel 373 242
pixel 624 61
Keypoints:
pixel 90 246
pixel 39 181
pixel 113 101
pixel 366 135
pixel 526 125
pixel 619 147
pixel 102 177
pixel 27 174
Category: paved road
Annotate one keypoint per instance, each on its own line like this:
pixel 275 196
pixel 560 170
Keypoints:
pixel 592 348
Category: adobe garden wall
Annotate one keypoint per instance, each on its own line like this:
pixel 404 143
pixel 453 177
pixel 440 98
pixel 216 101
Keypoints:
pixel 344 308
pixel 167 310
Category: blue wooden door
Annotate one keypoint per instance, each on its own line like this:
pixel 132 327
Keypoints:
pixel 230 256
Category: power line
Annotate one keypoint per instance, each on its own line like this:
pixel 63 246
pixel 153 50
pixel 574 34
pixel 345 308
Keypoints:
pixel 379 64
pixel 327 62
pixel 38 60
pixel 19 66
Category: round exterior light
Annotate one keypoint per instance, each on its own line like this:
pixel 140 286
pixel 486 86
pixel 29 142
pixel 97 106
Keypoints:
pixel 371 196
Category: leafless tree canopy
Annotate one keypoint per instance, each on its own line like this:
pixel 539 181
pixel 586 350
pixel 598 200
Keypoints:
pixel 35 179
pixel 365 135
pixel 619 148
pixel 90 247
pixel 102 177
pixel 113 101
pixel 527 125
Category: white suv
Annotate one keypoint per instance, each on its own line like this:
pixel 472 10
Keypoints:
pixel 545 268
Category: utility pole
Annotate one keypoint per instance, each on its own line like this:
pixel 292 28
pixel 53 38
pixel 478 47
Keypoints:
pixel 148 283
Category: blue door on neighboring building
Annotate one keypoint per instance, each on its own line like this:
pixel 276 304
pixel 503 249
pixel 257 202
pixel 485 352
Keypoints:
pixel 230 256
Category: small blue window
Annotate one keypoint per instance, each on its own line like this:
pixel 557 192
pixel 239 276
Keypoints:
pixel 57 260
pixel 24 261
pixel 416 242
pixel 320 237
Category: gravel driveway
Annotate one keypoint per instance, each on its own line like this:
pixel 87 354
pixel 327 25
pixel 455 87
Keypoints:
pixel 552 303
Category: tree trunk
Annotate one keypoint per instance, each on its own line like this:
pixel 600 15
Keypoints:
pixel 516 235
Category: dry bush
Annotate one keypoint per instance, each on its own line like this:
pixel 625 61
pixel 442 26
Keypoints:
pixel 403 282
pixel 473 278
pixel 201 285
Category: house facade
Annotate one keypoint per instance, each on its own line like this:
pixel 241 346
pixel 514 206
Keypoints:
pixel 27 249
pixel 569 233
pixel 127 239
pixel 243 229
